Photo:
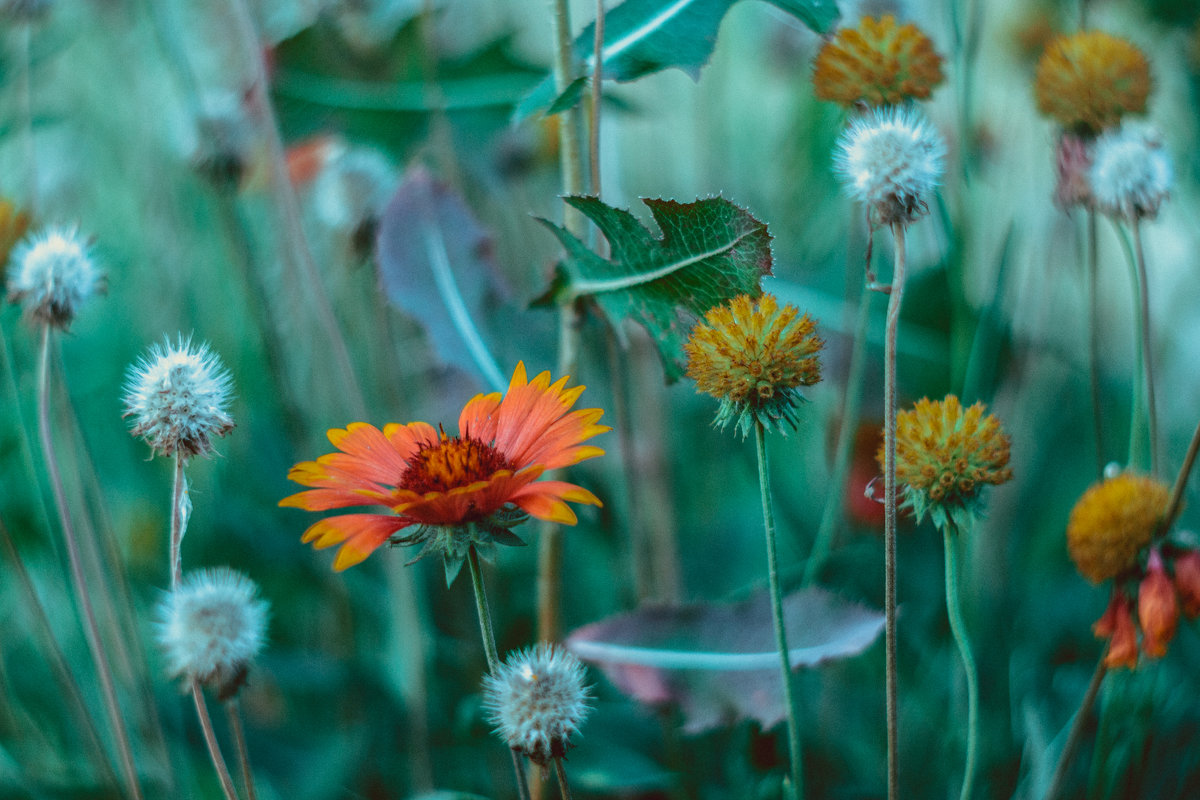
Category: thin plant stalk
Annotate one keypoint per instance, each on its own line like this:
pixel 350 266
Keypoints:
pixel 1075 736
pixel 493 657
pixel 895 296
pixel 564 788
pixel 570 160
pixel 950 536
pixel 793 726
pixel 178 512
pixel 210 739
pixel 91 629
pixel 594 101
pixel 1093 281
pixel 1145 346
pixel 1189 460
pixel 233 712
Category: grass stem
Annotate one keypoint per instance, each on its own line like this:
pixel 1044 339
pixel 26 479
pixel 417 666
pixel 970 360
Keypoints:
pixel 1077 726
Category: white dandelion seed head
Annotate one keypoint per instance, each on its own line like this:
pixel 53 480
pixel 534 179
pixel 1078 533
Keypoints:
pixel 1131 171
pixel 54 275
pixel 178 395
pixel 353 187
pixel 891 160
pixel 212 625
pixel 537 700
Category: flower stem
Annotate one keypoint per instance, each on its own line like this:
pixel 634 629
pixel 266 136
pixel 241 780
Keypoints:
pixel 570 161
pixel 178 492
pixel 493 656
pixel 1076 734
pixel 594 102
pixel 564 788
pixel 78 581
pixel 958 628
pixel 889 506
pixel 210 739
pixel 233 712
pixel 1176 502
pixel 794 742
pixel 1146 348
pixel 1093 280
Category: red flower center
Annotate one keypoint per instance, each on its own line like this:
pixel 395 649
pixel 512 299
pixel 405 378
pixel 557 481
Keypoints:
pixel 450 463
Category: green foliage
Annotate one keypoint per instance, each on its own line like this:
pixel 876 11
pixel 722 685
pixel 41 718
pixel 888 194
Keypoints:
pixel 710 251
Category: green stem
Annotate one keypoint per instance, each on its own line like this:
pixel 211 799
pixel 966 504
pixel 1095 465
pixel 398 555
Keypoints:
pixel 79 581
pixel 1136 385
pixel 1093 281
pixel 1176 502
pixel 570 160
pixel 794 742
pixel 1145 346
pixel 959 629
pixel 1077 726
pixel 889 504
pixel 493 656
pixel 178 491
pixel 210 739
pixel 234 714
pixel 594 103
pixel 564 788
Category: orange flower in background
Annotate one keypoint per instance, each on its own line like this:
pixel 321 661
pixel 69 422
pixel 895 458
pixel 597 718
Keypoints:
pixel 878 63
pixel 1117 626
pixel 458 491
pixel 1158 611
pixel 1089 80
pixel 1187 582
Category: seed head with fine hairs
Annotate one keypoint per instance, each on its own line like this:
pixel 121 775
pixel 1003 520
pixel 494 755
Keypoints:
pixel 178 396
pixel 212 625
pixel 537 701
pixel 53 274
pixel 1131 171
pixel 891 160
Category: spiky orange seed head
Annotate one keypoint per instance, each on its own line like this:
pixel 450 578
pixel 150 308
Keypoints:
pixel 1088 80
pixel 878 63
pixel 1112 522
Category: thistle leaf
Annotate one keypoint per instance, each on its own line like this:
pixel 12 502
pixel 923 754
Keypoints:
pixel 647 36
pixel 719 662
pixel 710 251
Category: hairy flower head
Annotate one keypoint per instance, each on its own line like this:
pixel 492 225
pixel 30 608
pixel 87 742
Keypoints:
pixel 891 160
pixel 1089 80
pixel 946 454
pixel 212 625
pixel 537 700
pixel 754 356
pixel 178 395
pixel 877 63
pixel 456 492
pixel 1112 522
pixel 1131 171
pixel 53 274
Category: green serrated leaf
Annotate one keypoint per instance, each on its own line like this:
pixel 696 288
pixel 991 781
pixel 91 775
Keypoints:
pixel 711 250
pixel 646 36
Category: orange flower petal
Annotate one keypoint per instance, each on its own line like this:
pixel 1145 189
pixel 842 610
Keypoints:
pixel 547 507
pixel 367 452
pixel 360 533
pixel 325 499
pixel 534 424
pixel 561 490
pixel 478 417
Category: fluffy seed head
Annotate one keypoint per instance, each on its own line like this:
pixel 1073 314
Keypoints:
pixel 1087 81
pixel 1131 172
pixel 53 275
pixel 754 357
pixel 877 63
pixel 891 159
pixel 945 455
pixel 212 626
pixel 178 396
pixel 1112 522
pixel 537 700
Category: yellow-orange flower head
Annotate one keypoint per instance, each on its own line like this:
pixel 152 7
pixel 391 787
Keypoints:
pixel 945 454
pixel 754 356
pixel 878 63
pixel 459 491
pixel 1089 80
pixel 1112 522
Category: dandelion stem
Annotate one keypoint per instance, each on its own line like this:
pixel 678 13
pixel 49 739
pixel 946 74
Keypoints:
pixel 233 711
pixel 889 501
pixel 79 583
pixel 794 742
pixel 1076 734
pixel 210 739
pixel 957 627
pixel 1146 348
pixel 1093 281
pixel 493 656
pixel 564 788
pixel 178 491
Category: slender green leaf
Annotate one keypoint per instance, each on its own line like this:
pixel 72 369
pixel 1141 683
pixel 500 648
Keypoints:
pixel 710 251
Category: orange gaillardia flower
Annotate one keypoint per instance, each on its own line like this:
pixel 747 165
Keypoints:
pixel 1087 81
pixel 945 454
pixel 1158 610
pixel 877 63
pixel 1117 626
pixel 754 356
pixel 1112 522
pixel 456 491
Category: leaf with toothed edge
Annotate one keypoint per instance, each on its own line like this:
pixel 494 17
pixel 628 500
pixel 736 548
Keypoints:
pixel 646 36
pixel 711 250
